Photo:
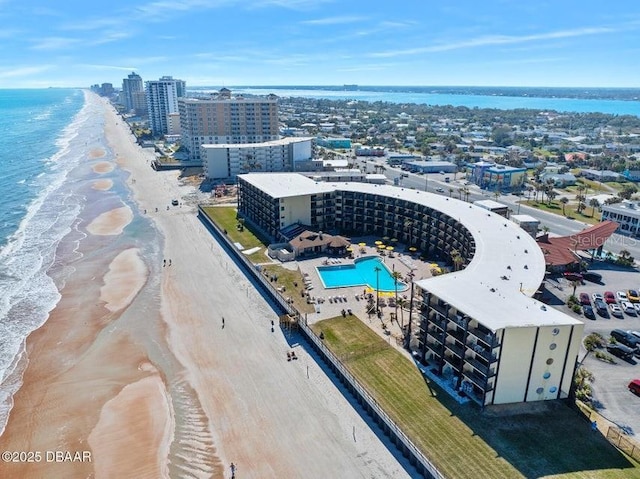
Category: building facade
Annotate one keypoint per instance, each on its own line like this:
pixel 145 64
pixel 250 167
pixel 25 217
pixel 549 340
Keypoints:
pixel 224 119
pixel 491 176
pixel 626 214
pixel 478 328
pixel 130 86
pixel 227 161
pixel 162 99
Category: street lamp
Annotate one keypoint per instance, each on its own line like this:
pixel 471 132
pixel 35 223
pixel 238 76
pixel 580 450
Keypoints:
pixel 377 270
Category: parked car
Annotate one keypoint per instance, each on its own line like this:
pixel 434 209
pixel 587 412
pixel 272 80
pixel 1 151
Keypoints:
pixel 601 308
pixel 440 190
pixel 628 308
pixel 633 296
pixel 621 295
pixel 584 298
pixel 637 306
pixel 615 310
pixel 572 276
pixel 587 310
pixel 597 296
pixel 635 333
pixel 175 202
pixel 625 338
pixel 634 386
pixel 620 350
pixel 593 277
pixel 609 297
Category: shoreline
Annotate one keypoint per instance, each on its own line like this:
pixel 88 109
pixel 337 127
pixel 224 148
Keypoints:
pixel 134 366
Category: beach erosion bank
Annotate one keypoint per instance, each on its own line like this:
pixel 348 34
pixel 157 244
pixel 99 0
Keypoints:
pixel 135 367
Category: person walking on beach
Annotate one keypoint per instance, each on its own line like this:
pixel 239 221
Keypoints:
pixel 233 470
pixel 223 322
pixel 164 263
pixel 169 262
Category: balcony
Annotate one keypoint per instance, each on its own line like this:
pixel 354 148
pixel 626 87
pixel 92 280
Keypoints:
pixel 456 349
pixel 480 367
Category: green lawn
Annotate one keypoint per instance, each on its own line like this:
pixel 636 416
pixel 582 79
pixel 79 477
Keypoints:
pixel 569 210
pixel 460 440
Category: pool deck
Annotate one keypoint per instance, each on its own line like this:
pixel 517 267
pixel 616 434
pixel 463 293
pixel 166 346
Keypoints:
pixel 327 307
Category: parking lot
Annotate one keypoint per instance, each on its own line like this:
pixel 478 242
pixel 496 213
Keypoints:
pixel 610 392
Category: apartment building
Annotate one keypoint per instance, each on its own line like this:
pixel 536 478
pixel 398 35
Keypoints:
pixel 162 100
pixel 225 119
pixel 226 161
pixel 130 86
pixel 478 327
pixel 626 214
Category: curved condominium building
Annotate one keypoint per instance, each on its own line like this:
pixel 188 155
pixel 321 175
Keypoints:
pixel 479 327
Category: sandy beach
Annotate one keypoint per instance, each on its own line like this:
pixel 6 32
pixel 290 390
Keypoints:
pixel 135 368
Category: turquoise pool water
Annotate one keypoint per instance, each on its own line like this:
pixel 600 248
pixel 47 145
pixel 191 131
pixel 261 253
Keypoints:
pixel 361 273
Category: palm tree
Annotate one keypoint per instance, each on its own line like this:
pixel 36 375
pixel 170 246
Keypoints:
pixel 551 194
pixel 496 194
pixel 450 191
pixel 456 258
pixel 594 203
pixel 396 276
pixel 574 285
pixel 564 200
pixel 401 303
pixel 408 225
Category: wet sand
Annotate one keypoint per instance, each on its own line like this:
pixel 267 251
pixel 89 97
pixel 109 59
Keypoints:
pixel 135 366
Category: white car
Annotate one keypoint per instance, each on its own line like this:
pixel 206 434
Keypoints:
pixel 621 295
pixel 637 306
pixel 628 308
pixel 635 333
pixel 615 310
pixel 595 296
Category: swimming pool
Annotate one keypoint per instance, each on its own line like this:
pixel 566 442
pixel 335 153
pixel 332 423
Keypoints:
pixel 361 273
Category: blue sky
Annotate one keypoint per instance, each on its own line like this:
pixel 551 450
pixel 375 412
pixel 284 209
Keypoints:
pixel 322 42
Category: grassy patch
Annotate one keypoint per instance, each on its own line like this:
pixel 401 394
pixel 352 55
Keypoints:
pixel 225 218
pixel 293 284
pixel 570 210
pixel 461 441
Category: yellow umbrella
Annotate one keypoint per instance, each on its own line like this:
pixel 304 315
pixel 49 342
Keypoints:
pixel 381 246
pixel 362 244
pixel 413 249
pixel 394 240
pixel 389 248
pixel 386 238
pixel 378 242
pixel 349 248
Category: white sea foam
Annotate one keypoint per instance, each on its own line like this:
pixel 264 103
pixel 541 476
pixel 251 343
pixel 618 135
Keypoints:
pixel 27 293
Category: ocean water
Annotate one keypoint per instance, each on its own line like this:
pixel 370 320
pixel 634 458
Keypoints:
pixel 43 136
pixel 576 105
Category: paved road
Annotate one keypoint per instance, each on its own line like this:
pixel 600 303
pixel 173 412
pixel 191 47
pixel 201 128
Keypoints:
pixel 557 224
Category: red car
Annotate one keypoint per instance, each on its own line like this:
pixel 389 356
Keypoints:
pixel 584 298
pixel 609 297
pixel 634 386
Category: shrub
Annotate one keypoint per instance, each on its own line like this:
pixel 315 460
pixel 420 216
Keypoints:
pixel 605 357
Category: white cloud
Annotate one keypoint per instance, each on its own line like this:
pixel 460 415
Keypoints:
pixel 335 20
pixel 23 71
pixel 106 67
pixel 55 43
pixel 495 40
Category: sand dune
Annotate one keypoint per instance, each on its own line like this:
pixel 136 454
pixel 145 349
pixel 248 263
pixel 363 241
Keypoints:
pixel 112 222
pixel 127 274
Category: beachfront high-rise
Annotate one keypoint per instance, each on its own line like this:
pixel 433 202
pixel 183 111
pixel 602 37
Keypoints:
pixel 162 99
pixel 477 329
pixel 227 119
pixel 131 85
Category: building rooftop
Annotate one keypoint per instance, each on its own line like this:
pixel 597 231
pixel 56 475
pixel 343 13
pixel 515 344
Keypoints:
pixel 506 270
pixel 495 287
pixel 489 204
pixel 285 185
pixel 280 142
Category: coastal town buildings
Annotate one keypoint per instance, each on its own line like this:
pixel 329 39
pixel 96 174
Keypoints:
pixel 130 86
pixel 227 119
pixel 478 327
pixel 162 100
